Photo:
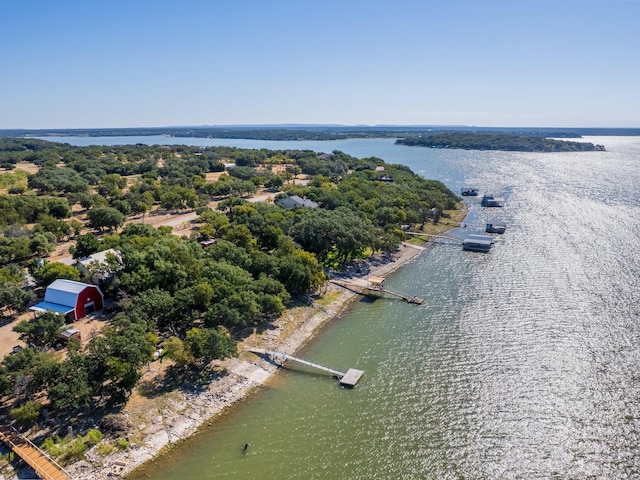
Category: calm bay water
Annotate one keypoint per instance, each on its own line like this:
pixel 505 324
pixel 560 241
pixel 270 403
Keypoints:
pixel 522 363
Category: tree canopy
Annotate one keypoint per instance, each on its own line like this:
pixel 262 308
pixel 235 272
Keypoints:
pixel 170 291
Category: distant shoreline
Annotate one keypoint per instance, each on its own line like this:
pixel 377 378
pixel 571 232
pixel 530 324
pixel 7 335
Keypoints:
pixel 318 132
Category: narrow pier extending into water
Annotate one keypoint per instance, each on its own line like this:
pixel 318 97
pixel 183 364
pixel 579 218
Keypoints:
pixel 439 235
pixel 41 463
pixel 374 284
pixel 348 379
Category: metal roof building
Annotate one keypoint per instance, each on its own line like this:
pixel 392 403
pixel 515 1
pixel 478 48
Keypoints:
pixel 73 299
pixel 294 201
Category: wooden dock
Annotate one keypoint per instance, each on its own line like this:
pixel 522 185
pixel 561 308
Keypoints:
pixel 437 235
pixel 43 465
pixel 348 379
pixel 374 285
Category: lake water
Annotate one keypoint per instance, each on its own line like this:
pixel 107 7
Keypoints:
pixel 522 363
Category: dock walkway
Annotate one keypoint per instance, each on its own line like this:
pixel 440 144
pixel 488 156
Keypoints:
pixel 43 465
pixel 361 286
pixel 348 379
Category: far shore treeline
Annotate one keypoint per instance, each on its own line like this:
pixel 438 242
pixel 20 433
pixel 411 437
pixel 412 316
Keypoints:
pixel 169 291
pixel 327 132
pixel 497 141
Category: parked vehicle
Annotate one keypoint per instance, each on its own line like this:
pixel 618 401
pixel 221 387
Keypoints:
pixel 66 336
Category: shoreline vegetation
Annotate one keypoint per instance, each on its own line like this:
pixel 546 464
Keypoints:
pixel 410 133
pixel 497 141
pixel 247 372
pixel 179 304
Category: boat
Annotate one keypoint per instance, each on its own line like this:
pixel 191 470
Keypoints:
pixel 495 228
pixel 469 192
pixel 491 201
pixel 478 243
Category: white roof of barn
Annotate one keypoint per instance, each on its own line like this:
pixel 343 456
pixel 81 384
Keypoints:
pixel 65 292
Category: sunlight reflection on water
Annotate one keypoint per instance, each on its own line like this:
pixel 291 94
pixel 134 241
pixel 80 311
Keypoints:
pixel 522 363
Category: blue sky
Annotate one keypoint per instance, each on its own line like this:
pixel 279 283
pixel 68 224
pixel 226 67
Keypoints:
pixel 128 63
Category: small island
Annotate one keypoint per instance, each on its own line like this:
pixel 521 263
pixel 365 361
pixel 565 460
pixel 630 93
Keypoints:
pixel 497 141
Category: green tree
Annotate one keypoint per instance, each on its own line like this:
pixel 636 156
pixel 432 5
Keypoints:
pixel 14 249
pixel 58 180
pixel 155 307
pixel 140 202
pixel 42 331
pixel 111 185
pixel 58 228
pixel 115 358
pixel 58 207
pixel 206 344
pixel 105 217
pixel 175 349
pixel 320 231
pixel 13 298
pixel 71 387
pixel 299 272
pixel 53 271
pixel 85 246
pixel 274 183
pixel 42 243
pixel 76 226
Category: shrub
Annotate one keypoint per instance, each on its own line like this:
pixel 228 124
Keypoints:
pixel 74 450
pixel 27 414
pixel 104 449
pixel 93 437
pixel 122 444
pixel 51 446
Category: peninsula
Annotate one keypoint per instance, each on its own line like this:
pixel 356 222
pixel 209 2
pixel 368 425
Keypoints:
pixel 182 294
pixel 497 141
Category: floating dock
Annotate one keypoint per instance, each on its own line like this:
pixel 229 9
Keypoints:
pixel 351 377
pixel 348 379
pixel 491 201
pixel 478 243
pixel 495 228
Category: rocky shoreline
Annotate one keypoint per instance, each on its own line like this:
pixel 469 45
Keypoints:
pixel 165 417
pixel 180 414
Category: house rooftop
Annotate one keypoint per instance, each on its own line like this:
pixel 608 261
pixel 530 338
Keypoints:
pixel 295 201
pixel 100 257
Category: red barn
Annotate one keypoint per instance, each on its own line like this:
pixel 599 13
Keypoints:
pixel 74 300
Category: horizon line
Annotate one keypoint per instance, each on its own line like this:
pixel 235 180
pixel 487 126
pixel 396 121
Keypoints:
pixel 319 125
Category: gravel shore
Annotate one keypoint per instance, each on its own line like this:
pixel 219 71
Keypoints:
pixel 159 420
